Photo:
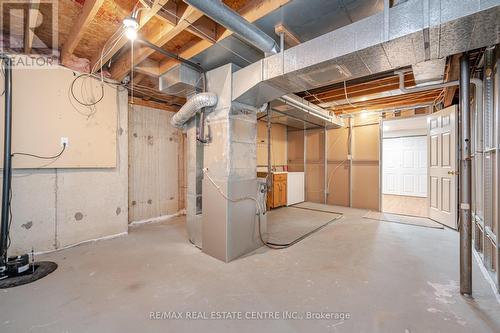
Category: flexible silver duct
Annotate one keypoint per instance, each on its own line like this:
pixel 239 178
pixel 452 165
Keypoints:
pixel 231 20
pixel 193 105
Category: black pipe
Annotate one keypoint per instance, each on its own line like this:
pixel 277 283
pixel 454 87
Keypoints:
pixel 7 162
pixel 465 180
pixel 158 49
pixel 200 131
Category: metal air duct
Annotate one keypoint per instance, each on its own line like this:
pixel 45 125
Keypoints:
pixel 193 105
pixel 231 20
pixel 404 35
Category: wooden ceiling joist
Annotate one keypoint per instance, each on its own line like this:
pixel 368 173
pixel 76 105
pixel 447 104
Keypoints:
pixel 289 36
pixel 152 104
pixel 452 75
pixel 158 35
pixel 89 11
pixel 148 67
pixel 32 17
pixel 252 11
pixel 361 89
pixel 145 17
pixel 405 100
pixel 203 28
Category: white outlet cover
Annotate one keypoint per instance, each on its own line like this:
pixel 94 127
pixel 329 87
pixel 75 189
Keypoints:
pixel 64 140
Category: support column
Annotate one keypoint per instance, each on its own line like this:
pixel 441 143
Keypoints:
pixel 497 164
pixel 230 226
pixel 325 180
pixel 465 181
pixel 349 157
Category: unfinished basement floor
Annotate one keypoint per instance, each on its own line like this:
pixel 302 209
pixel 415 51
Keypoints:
pixel 389 277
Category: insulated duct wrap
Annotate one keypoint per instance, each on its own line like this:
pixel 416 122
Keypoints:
pixel 193 105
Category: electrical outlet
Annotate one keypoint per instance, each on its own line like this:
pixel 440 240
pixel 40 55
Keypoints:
pixel 64 140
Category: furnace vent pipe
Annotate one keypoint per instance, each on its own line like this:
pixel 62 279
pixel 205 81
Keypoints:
pixel 192 106
pixel 465 180
pixel 231 20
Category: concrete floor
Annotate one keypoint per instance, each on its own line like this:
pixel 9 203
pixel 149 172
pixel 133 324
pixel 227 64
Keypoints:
pixel 388 277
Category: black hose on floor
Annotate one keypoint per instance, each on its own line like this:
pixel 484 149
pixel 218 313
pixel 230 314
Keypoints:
pixel 278 246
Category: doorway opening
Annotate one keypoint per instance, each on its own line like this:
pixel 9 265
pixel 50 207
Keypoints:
pixel 404 166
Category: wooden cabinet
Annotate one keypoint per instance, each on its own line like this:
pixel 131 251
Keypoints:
pixel 278 196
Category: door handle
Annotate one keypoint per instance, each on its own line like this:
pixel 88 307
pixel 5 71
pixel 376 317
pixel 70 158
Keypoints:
pixel 453 173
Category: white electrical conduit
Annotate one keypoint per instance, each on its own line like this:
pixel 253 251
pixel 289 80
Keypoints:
pixel 476 82
pixel 290 101
pixel 192 106
pixel 261 210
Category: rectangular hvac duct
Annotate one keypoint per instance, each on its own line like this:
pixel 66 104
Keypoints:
pixel 181 80
pixel 414 31
pixel 429 71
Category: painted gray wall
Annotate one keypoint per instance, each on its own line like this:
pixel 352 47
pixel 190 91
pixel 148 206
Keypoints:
pixel 55 208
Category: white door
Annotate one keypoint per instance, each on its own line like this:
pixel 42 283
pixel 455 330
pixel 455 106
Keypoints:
pixel 405 166
pixel 441 128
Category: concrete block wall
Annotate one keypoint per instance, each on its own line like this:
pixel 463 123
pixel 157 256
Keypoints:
pixel 153 164
pixel 55 208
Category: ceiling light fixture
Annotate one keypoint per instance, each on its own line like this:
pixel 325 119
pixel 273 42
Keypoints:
pixel 131 26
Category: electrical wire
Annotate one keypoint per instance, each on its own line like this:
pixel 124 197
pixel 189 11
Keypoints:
pixel 10 222
pixel 332 173
pixel 271 245
pixel 346 97
pixel 42 157
pixel 85 103
pixel 2 72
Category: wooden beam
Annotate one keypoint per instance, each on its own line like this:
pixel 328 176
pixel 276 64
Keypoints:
pixel 361 89
pixel 89 11
pixel 204 28
pixel 145 17
pixel 156 36
pixel 252 11
pixel 452 75
pixel 152 104
pixel 138 77
pixel 32 14
pixel 148 67
pixel 290 38
pixel 404 100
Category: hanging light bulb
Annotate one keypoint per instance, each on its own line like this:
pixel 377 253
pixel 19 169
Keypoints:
pixel 131 25
pixel 131 33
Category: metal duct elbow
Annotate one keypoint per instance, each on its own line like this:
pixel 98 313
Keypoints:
pixel 193 105
pixel 231 20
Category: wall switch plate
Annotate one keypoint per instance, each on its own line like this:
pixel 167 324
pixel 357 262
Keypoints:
pixel 64 140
